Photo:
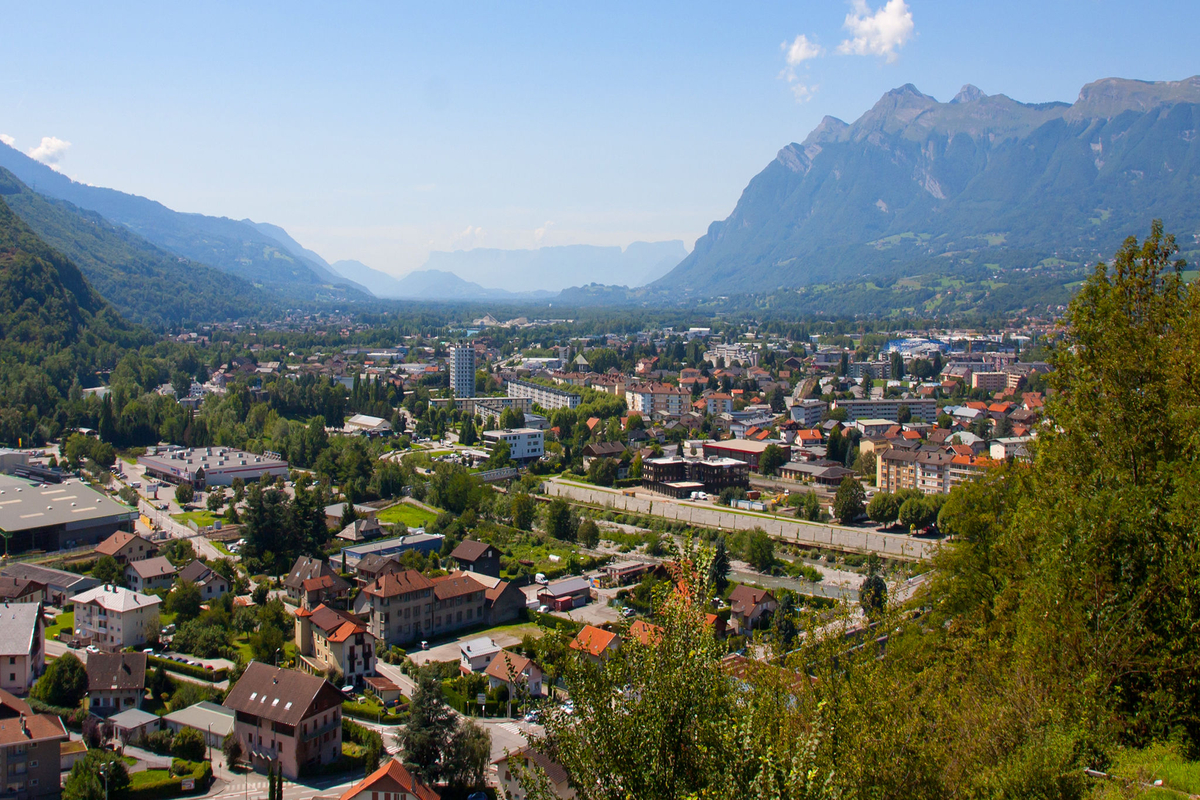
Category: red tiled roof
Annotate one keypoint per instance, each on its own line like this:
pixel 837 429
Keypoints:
pixel 594 640
pixel 507 666
pixel 456 584
pixel 391 777
pixel 647 633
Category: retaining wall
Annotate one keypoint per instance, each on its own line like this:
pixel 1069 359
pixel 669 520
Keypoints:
pixel 814 534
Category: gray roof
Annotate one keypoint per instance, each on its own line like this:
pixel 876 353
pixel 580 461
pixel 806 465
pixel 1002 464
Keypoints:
pixel 149 568
pixel 203 714
pixel 568 586
pixel 25 505
pixel 132 718
pixel 57 578
pixel 18 621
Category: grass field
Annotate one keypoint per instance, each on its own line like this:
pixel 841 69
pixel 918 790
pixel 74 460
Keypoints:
pixel 201 518
pixel 63 622
pixel 407 514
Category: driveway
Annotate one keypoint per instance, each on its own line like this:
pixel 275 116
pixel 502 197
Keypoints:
pixel 450 651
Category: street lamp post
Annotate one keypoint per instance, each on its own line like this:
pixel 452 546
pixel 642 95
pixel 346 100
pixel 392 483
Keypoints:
pixel 277 652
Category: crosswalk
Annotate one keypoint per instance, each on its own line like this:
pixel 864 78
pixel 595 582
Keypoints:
pixel 512 727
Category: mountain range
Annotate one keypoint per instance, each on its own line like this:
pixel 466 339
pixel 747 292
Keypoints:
pixel 264 255
pixel 916 186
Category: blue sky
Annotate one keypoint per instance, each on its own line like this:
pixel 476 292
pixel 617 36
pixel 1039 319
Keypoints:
pixel 382 131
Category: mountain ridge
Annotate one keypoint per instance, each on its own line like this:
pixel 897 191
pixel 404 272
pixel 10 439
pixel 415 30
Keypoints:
pixel 915 185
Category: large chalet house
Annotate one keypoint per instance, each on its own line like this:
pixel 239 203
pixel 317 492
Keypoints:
pixel 286 718
pixel 331 640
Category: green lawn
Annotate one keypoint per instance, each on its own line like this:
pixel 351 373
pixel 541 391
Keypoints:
pixel 201 518
pixel 408 514
pixel 63 622
pixel 147 777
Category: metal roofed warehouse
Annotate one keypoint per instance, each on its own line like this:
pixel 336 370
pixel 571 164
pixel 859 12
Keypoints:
pixel 211 466
pixel 56 516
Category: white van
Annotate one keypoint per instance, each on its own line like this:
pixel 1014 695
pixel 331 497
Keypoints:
pixel 540 578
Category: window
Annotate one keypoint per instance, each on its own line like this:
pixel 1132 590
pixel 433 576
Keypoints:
pixel 12 676
pixel 33 765
pixel 12 659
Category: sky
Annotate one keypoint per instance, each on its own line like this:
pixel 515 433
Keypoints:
pixel 382 131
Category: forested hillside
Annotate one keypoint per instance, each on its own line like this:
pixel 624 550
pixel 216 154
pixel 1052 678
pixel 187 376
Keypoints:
pixel 146 284
pixel 1059 630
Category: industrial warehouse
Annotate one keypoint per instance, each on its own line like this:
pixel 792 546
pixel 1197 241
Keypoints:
pixel 211 466
pixel 57 516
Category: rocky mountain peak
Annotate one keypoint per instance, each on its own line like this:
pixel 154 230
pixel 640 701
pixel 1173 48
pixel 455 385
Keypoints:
pixel 968 94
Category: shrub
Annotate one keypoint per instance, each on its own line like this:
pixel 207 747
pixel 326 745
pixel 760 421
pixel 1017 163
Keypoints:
pixel 189 745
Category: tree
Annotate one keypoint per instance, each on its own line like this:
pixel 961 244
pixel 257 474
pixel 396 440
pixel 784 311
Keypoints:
pixel 467 435
pixel 771 459
pixel 602 471
pixel 635 423
pixel 844 364
pixel 848 502
pixel 561 522
pixel 872 596
pixel 349 514
pixel 883 508
pixel 184 601
pixel 184 494
pixel 468 755
pixel 589 534
pixel 231 746
pixel 189 745
pixel 903 414
pixel 64 683
pixel 107 570
pixel 431 724
pixel 778 400
pixel 1004 428
pixel 216 499
pixel 98 775
pixel 523 511
pixel 261 594
pixel 265 643
pixel 914 513
pixel 160 684
pixel 718 570
pixel 760 550
pixel 500 457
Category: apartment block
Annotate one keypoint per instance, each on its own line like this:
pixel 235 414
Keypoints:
pixel 544 396
pixel 462 370
pixel 888 408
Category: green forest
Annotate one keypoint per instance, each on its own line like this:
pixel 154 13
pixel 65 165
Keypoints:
pixel 1058 632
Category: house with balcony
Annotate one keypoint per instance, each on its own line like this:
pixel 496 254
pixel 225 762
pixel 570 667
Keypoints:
pixel 286 719
pixel 328 639
pixel 114 618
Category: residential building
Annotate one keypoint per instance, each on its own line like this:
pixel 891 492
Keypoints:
pixel 390 782
pixel 60 584
pixel 596 644
pixel 305 569
pixel 132 724
pixel 748 606
pixel 461 361
pixel 718 403
pixel 459 602
pixel 22 646
pixel 335 512
pixel 116 682
pixel 362 530
pixel 648 399
pixel 384 688
pixel 50 517
pixel 330 640
pixel 544 396
pixel 30 754
pixel 210 583
pixel 808 412
pixel 595 450
pixel 490 408
pixel 524 444
pixel 989 381
pixel 621 573
pixel 213 722
pixel 480 557
pixel 113 618
pixel 150 573
pixel 211 466
pixel 503 601
pixel 924 409
pixel 827 474
pixel 680 477
pixel 476 654
pixel 21 590
pixel 398 606
pixel 724 355
pixel 566 594
pixel 509 766
pixel 395 546
pixel 373 566
pixel 286 718
pixel 126 548
pixel 515 672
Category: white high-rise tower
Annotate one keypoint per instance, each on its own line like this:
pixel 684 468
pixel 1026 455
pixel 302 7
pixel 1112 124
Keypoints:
pixel 462 370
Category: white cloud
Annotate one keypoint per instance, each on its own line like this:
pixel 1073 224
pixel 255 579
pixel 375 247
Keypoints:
pixel 802 92
pixel 50 151
pixel 801 49
pixel 879 33
pixel 796 53
pixel 540 233
pixel 8 140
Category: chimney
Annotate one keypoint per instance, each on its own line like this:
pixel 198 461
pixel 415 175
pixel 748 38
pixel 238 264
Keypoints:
pixel 24 727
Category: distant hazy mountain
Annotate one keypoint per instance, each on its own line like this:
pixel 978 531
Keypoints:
pixel 227 244
pixel 432 284
pixel 318 264
pixel 981 182
pixel 377 283
pixel 556 268
pixel 146 284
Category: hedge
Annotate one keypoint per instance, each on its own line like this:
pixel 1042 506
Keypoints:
pixel 468 706
pixel 550 621
pixel 211 675
pixel 72 717
pixel 201 771
pixel 365 712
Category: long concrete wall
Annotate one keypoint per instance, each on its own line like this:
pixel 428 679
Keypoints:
pixel 807 533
